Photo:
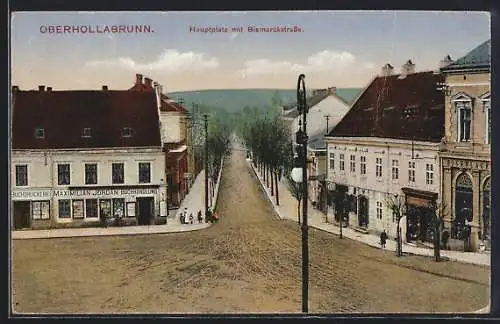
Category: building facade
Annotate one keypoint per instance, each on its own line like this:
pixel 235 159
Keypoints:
pixel 466 161
pixel 83 158
pixel 387 146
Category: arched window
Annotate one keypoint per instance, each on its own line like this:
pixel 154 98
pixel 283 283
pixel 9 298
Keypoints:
pixel 463 113
pixel 463 205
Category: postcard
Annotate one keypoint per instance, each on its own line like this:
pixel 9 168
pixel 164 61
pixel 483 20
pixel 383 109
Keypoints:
pixel 260 162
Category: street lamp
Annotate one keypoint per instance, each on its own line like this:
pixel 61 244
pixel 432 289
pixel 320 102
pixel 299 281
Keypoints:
pixel 299 175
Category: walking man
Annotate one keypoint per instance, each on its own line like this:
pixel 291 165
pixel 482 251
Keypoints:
pixel 383 239
pixel 200 218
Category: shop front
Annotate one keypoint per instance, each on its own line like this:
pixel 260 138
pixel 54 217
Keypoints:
pixel 419 214
pixel 31 208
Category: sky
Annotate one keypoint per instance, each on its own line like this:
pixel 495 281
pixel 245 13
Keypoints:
pixel 332 48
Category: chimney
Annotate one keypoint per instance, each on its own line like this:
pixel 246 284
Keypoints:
pixel 445 61
pixel 148 82
pixel 387 70
pixel 138 78
pixel 49 89
pixel 104 88
pixel 407 68
pixel 15 88
pixel 332 90
pixel 41 88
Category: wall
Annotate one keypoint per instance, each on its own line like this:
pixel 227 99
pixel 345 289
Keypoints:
pixel 376 189
pixel 173 127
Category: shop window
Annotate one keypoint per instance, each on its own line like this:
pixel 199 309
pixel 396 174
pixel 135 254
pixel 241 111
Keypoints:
pixel 40 210
pixel 145 172
pixel 63 174
pixel 77 209
pixel 21 175
pixel 91 208
pixel 105 208
pixel 119 208
pixel 64 208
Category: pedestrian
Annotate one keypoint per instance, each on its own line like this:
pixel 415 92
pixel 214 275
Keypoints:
pixel 181 218
pixel 200 217
pixel 383 239
pixel 191 218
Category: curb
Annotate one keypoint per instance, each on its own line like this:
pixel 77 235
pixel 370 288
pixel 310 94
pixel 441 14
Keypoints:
pixel 216 194
pixel 263 187
pixel 110 234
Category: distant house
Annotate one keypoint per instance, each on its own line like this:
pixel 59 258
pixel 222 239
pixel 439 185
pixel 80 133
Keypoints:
pixel 83 157
pixel 466 161
pixel 326 109
pixel 387 145
pixel 174 123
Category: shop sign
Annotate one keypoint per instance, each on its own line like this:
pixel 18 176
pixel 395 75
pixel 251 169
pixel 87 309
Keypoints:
pixel 31 194
pixel 417 201
pixel 105 192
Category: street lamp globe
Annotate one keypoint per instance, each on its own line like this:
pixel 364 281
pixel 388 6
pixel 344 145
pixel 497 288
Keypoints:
pixel 297 174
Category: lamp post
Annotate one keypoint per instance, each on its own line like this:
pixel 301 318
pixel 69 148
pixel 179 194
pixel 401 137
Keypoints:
pixel 299 175
pixel 398 230
pixel 205 119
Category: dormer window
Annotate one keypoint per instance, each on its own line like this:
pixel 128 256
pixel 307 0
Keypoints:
pixel 127 132
pixel 39 132
pixel 87 132
pixel 463 112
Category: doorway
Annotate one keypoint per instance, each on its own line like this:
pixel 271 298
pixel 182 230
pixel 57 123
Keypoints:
pixel 463 206
pixel 22 213
pixel 144 210
pixel 363 212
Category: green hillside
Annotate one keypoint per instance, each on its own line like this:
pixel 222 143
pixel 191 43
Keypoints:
pixel 233 100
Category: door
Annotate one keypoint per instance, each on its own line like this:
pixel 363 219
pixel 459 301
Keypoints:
pixel 144 210
pixel 22 213
pixel 363 211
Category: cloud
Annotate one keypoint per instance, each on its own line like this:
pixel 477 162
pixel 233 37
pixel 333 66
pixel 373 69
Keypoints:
pixel 170 60
pixel 323 61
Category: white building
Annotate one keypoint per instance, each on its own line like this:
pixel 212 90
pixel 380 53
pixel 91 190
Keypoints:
pixel 80 157
pixel 387 145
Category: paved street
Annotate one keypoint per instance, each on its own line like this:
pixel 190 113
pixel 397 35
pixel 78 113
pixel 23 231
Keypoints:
pixel 248 262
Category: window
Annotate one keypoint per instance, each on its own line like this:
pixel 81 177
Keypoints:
pixel 378 167
pixel 395 169
pixel 63 174
pixel 127 132
pixel 341 162
pixel 91 208
pixel 40 209
pixel 353 163
pixel 21 175
pixel 105 208
pixel 332 161
pixel 39 133
pixel 429 174
pixel 487 114
pixel 411 171
pixel 379 209
pixel 64 208
pixel 144 172
pixel 117 173
pixel 464 113
pixel 91 173
pixel 87 132
pixel 77 209
pixel 362 164
pixel 118 207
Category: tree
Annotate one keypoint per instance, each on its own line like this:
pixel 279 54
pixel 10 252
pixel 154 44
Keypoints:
pixel 396 203
pixel 439 211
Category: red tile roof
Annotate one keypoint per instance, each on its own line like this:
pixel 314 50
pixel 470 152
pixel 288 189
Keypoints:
pixel 64 115
pixel 408 108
